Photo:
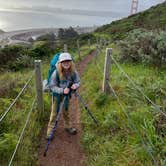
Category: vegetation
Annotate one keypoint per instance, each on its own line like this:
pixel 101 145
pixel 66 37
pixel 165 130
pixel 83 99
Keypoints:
pixel 142 46
pixel 17 57
pixel 131 130
pixel 47 37
pixel 67 33
pixel 12 125
pixel 1 31
pixel 123 127
pixel 152 19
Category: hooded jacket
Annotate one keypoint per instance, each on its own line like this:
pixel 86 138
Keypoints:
pixel 57 85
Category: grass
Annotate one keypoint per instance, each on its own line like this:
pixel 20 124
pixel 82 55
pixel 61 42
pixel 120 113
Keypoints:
pixel 84 51
pixel 115 141
pixel 153 19
pixel 12 124
pixel 122 129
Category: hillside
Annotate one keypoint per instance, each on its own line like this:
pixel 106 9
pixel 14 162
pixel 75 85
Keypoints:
pixel 1 31
pixel 151 19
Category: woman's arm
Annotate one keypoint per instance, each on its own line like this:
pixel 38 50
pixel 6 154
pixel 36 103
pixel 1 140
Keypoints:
pixel 54 84
pixel 76 82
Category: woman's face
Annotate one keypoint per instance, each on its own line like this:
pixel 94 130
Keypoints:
pixel 66 64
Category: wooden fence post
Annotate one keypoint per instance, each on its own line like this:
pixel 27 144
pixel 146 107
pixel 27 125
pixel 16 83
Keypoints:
pixel 97 41
pixel 65 48
pixel 95 56
pixel 105 43
pixel 78 47
pixel 101 43
pixel 39 86
pixel 106 87
pixel 89 44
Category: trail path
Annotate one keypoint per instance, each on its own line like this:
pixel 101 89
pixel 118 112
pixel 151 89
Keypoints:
pixel 65 149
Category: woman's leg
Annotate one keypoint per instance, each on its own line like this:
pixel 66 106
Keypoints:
pixel 66 118
pixel 52 116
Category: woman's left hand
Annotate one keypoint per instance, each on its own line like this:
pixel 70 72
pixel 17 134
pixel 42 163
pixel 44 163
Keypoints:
pixel 74 87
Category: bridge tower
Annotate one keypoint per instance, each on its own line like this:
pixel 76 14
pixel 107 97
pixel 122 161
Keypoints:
pixel 134 7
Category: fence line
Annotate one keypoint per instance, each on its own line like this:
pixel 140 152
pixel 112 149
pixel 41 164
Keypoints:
pixel 136 87
pixel 39 85
pixel 23 89
pixel 155 106
pixel 133 126
pixel 107 68
pixel 145 145
pixel 23 130
pixel 38 88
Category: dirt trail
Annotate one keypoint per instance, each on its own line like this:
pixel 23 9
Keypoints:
pixel 65 149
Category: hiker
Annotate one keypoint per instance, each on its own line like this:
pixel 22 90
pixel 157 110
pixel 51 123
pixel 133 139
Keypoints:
pixel 64 75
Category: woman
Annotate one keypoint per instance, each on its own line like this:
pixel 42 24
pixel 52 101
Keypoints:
pixel 63 76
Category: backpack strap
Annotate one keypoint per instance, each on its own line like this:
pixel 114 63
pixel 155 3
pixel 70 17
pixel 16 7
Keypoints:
pixel 73 76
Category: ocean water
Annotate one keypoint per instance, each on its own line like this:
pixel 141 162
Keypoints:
pixel 10 21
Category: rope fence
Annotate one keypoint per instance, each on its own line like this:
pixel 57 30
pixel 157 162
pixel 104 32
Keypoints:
pixel 106 83
pixel 157 107
pixel 137 88
pixel 133 126
pixel 15 100
pixel 22 132
pixel 147 145
pixel 38 98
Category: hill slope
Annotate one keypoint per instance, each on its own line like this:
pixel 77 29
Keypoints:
pixel 153 18
pixel 1 31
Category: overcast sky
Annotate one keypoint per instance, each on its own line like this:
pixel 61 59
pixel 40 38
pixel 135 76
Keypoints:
pixel 24 14
pixel 101 5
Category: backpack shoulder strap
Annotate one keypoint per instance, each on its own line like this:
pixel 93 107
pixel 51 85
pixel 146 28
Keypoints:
pixel 57 77
pixel 73 77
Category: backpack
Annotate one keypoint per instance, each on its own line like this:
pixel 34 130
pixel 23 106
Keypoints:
pixel 52 68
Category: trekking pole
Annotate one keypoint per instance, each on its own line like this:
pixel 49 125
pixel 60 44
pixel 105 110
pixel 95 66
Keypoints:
pixel 85 106
pixel 55 126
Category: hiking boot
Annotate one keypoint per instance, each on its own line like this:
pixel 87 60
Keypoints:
pixel 71 130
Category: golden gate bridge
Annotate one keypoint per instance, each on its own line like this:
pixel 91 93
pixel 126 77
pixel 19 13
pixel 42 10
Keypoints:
pixel 134 6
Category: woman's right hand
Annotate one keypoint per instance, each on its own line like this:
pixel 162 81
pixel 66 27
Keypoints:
pixel 66 91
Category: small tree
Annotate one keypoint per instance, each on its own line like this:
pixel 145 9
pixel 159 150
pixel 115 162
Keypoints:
pixel 67 33
pixel 47 37
pixel 61 33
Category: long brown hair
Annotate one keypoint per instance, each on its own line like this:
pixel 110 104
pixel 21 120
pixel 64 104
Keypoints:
pixel 61 69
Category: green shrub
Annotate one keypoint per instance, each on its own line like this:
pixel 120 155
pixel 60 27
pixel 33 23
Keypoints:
pixel 24 61
pixel 7 145
pixel 100 99
pixel 142 46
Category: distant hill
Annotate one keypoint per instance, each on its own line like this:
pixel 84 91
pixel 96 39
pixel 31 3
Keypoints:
pixel 1 31
pixel 153 18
